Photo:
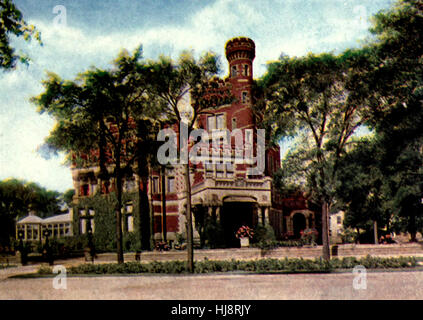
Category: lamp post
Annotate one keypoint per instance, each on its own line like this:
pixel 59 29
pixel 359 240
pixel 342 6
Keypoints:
pixel 24 254
pixel 47 249
pixel 91 244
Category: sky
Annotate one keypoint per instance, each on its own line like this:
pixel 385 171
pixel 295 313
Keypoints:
pixel 79 34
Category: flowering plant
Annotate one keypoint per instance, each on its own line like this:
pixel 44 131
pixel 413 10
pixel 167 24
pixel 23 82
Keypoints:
pixel 309 235
pixel 244 232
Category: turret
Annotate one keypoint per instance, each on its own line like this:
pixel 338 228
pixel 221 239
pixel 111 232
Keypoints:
pixel 240 53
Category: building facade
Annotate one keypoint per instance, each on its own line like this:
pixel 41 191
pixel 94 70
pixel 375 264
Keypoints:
pixel 223 192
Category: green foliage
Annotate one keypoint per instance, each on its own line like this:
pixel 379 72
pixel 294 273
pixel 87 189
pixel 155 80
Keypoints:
pixel 264 234
pixel 12 23
pixel 291 265
pixel 273 244
pixel 105 221
pixel 17 197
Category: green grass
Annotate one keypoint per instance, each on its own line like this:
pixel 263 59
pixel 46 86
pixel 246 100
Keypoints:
pixel 295 265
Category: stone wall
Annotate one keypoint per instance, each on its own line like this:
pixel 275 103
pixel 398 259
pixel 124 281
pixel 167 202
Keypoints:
pixel 279 253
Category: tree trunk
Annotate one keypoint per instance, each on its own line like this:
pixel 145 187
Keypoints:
pixel 358 236
pixel 190 238
pixel 164 226
pixel 152 212
pixel 119 245
pixel 144 214
pixel 375 232
pixel 412 228
pixel 325 231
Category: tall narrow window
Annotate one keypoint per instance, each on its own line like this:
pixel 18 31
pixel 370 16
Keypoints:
pixel 170 184
pixel 220 121
pixel 234 72
pixel 211 123
pixel 245 69
pixel 244 97
pixel 156 185
pixel 130 223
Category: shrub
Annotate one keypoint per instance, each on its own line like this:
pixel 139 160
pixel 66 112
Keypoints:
pixel 262 265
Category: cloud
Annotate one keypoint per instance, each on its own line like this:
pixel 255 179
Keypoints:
pixel 293 27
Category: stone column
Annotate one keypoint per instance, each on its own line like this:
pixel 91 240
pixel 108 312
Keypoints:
pixel 218 214
pixel 266 216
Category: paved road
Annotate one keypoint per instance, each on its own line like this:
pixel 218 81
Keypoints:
pixel 380 285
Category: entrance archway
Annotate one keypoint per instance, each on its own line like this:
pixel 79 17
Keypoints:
pixel 299 224
pixel 233 216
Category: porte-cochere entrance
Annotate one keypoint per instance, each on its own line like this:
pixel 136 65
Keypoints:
pixel 233 216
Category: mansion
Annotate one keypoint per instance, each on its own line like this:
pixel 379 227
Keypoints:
pixel 222 192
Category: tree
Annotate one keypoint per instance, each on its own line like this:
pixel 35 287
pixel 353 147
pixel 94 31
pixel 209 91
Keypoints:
pixel 17 197
pixel 172 83
pixel 317 98
pixel 395 93
pixel 97 119
pixel 12 23
pixel 363 190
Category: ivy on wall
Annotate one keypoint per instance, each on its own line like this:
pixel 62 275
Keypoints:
pixel 105 221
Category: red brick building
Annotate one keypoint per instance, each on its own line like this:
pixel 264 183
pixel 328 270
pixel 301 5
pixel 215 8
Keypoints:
pixel 223 192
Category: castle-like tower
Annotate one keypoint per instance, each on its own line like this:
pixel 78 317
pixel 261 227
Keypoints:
pixel 240 53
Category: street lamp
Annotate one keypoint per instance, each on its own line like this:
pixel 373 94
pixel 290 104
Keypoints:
pixel 47 250
pixel 91 244
pixel 24 256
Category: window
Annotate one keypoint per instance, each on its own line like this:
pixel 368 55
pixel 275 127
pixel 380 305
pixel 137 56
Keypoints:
pixel 244 97
pixel 83 226
pixel 129 185
pixel 215 122
pixel 233 123
pixel 170 185
pixel 130 223
pixel 211 123
pixel 220 167
pixel 219 121
pixel 156 185
pixel 209 169
pixel 338 220
pixel 229 170
pixel 234 71
pixel 85 190
pixel 245 69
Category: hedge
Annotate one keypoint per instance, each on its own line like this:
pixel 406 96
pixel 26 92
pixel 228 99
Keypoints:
pixel 259 266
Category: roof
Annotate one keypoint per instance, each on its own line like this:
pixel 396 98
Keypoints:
pixel 61 218
pixel 30 219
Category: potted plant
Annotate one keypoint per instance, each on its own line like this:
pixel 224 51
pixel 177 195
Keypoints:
pixel 244 233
